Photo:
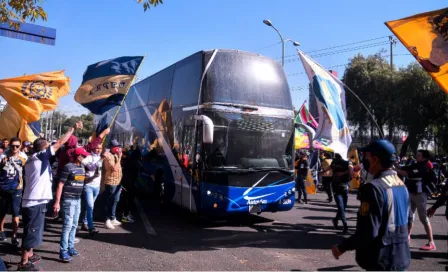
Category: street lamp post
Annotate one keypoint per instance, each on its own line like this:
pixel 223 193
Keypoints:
pixel 269 23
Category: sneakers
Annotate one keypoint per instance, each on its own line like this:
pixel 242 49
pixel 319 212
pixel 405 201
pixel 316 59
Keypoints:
pixel 72 252
pixel 2 236
pixel 35 259
pixel 127 219
pixel 65 257
pixel 29 266
pixel 76 241
pixel 108 225
pixel 15 241
pixel 429 247
pixel 115 222
pixel 93 232
pixel 84 227
pixel 345 230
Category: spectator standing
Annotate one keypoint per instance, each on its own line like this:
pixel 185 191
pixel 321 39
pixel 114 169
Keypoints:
pixel 302 168
pixel 11 184
pixel 112 183
pixel 36 195
pixel 327 175
pixel 93 165
pixel 70 187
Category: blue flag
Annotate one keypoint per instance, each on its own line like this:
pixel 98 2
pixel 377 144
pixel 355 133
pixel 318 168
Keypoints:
pixel 106 83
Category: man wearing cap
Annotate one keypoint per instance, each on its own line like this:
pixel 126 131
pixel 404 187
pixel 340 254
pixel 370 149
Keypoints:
pixel 70 187
pixel 112 182
pixel 381 233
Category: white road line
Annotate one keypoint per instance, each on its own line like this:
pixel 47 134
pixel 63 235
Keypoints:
pixel 148 227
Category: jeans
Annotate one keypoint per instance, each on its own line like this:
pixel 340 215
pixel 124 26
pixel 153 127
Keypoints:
pixel 301 188
pixel 90 194
pixel 112 194
pixel 72 208
pixel 341 203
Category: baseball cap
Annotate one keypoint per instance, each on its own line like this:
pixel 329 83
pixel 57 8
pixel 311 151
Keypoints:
pixel 81 151
pixel 114 143
pixel 382 149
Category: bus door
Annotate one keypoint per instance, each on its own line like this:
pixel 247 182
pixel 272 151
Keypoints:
pixel 186 163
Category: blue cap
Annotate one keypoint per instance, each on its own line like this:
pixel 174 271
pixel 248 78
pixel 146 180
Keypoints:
pixel 382 149
pixel 114 143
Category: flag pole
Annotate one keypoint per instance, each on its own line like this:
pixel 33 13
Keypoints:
pixel 124 98
pixel 362 103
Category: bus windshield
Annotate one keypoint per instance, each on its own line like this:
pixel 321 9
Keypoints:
pixel 248 79
pixel 250 142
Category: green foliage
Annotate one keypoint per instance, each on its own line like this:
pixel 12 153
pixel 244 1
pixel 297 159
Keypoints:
pixel 21 10
pixel 148 3
pixel 406 99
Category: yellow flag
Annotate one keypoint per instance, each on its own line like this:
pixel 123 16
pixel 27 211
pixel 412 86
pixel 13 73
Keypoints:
pixel 425 35
pixel 10 123
pixel 310 186
pixel 26 133
pixel 33 94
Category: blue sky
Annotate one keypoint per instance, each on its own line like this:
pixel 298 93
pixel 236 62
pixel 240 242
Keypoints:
pixel 89 31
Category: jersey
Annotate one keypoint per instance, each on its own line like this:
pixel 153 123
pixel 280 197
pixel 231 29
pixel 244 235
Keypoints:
pixel 381 237
pixel 11 173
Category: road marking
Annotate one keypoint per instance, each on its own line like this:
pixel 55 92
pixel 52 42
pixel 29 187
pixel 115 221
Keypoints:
pixel 148 227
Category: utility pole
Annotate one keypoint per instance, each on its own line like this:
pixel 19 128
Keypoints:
pixel 392 43
pixel 46 126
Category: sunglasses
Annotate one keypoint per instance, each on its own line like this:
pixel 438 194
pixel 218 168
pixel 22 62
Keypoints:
pixel 15 146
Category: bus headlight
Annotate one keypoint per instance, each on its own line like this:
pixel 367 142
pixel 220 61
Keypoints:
pixel 293 189
pixel 289 192
pixel 209 193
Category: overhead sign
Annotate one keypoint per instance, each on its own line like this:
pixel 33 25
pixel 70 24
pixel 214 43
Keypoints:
pixel 29 32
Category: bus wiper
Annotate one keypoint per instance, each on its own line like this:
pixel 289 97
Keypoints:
pixel 279 169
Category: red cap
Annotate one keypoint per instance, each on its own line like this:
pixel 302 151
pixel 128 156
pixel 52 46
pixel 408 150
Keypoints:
pixel 81 151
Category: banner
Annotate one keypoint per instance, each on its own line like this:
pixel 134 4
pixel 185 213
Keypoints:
pixel 106 83
pixel 330 99
pixel 12 125
pixel 425 35
pixel 302 142
pixel 33 94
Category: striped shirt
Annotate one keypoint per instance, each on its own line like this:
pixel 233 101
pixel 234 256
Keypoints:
pixel 73 177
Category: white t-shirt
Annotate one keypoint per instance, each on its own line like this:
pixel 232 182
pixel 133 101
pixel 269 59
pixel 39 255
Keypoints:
pixel 38 179
pixel 93 165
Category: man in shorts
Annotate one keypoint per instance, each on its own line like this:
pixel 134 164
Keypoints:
pixel 36 195
pixel 11 183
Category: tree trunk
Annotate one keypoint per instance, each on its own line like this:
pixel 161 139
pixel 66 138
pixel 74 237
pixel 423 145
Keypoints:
pixel 391 131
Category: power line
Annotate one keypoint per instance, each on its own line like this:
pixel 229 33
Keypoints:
pixel 266 47
pixel 338 46
pixel 341 51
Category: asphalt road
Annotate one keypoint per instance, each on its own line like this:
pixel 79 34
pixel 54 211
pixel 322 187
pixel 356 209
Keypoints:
pixel 171 239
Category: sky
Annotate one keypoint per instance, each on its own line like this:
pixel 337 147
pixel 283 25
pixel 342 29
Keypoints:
pixel 89 31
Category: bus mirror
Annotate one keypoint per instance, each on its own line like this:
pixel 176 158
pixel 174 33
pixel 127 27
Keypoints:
pixel 207 128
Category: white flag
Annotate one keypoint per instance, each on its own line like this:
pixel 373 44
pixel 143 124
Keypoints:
pixel 330 99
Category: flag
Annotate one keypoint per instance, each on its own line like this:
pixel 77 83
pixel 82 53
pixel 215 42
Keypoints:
pixel 330 98
pixel 29 132
pixel 31 95
pixel 425 35
pixel 13 125
pixel 305 117
pixel 10 123
pixel 106 83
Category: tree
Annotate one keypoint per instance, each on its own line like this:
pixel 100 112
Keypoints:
pixel 31 10
pixel 423 106
pixel 373 80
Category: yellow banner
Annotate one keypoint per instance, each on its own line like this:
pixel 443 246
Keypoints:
pixel 33 94
pixel 26 133
pixel 425 35
pixel 10 123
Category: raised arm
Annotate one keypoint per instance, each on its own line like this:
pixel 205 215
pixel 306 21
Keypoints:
pixel 61 141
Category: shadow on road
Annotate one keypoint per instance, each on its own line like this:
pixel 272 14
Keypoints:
pixel 336 268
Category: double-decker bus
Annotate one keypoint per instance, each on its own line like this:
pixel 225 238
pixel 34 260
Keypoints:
pixel 215 132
